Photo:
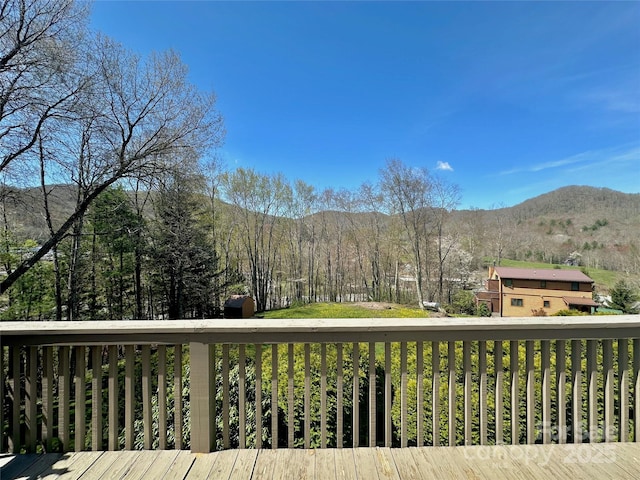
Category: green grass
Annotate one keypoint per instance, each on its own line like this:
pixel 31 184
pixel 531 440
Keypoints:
pixel 603 278
pixel 346 310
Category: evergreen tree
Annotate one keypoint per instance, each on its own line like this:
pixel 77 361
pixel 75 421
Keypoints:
pixel 185 264
pixel 624 297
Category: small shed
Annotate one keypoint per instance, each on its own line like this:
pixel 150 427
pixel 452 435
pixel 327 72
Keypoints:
pixel 239 306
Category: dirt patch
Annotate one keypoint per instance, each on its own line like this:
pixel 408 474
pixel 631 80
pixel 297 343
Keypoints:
pixel 375 305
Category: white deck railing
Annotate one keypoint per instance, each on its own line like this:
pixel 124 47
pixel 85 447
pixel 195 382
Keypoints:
pixel 418 382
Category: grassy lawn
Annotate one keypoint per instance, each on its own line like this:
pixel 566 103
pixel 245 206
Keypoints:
pixel 606 278
pixel 348 310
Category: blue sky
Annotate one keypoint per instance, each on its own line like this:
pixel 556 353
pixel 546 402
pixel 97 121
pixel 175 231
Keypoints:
pixel 508 100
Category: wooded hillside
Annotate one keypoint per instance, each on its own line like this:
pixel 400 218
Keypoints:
pixel 336 247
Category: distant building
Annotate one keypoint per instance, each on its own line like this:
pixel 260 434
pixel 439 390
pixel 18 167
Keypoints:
pixel 518 292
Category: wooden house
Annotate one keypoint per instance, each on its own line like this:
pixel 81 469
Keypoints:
pixel 522 292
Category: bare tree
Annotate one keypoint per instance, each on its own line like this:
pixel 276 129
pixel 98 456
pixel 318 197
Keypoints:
pixel 408 192
pixel 38 40
pixel 302 240
pixel 133 120
pixel 260 200
pixel 445 197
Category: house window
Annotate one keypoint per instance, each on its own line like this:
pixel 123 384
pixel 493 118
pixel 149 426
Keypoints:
pixel 508 282
pixel 546 303
pixel 516 302
pixel 543 284
pixel 575 286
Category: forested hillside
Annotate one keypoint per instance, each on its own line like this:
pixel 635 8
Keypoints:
pixel 179 249
pixel 596 227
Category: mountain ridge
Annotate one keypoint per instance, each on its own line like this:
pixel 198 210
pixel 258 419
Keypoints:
pixel 600 224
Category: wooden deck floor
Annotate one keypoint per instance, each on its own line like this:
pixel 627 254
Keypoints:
pixel 601 461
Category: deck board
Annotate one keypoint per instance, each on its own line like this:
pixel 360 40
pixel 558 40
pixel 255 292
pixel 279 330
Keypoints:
pixel 121 465
pixel 437 463
pixel 345 464
pixel 162 464
pixel 104 463
pixel 365 463
pixel 385 464
pixel 202 465
pixel 265 465
pixel 76 468
pixel 244 464
pixel 294 463
pixel 138 469
pixel 24 466
pixel 223 468
pixel 603 461
pixel 326 463
pixel 406 463
pixel 180 466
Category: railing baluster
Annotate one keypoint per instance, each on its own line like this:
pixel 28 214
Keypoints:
pixel 576 390
pixel 466 365
pixel 499 394
pixel 146 397
pixel 47 398
pixel 419 394
pixel 592 386
pixel 339 397
pixel 403 394
pixel 96 398
pixel 372 394
pixel 545 349
pixel 213 392
pixel 274 396
pixel 112 383
pixel 162 397
pixel 2 395
pixel 530 398
pixel 623 389
pixel 225 396
pixel 482 366
pixel 290 397
pixel 242 407
pixel 129 395
pixel 515 392
pixel 64 391
pixel 636 389
pixel 561 389
pixel 356 395
pixel 16 398
pixel 177 395
pixel 435 392
pixel 451 364
pixel 609 400
pixel 30 399
pixel 80 398
pixel 307 395
pixel 388 398
pixel 258 347
pixel 3 400
pixel 323 395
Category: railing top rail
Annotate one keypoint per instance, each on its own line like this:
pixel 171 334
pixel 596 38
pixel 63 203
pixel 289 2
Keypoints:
pixel 256 330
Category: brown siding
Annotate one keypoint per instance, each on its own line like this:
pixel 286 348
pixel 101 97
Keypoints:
pixel 551 285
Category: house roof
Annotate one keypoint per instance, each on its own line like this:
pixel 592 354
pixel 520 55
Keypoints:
pixel 542 274
pixel 580 301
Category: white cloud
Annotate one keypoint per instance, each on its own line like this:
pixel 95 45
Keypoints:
pixel 626 154
pixel 444 166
